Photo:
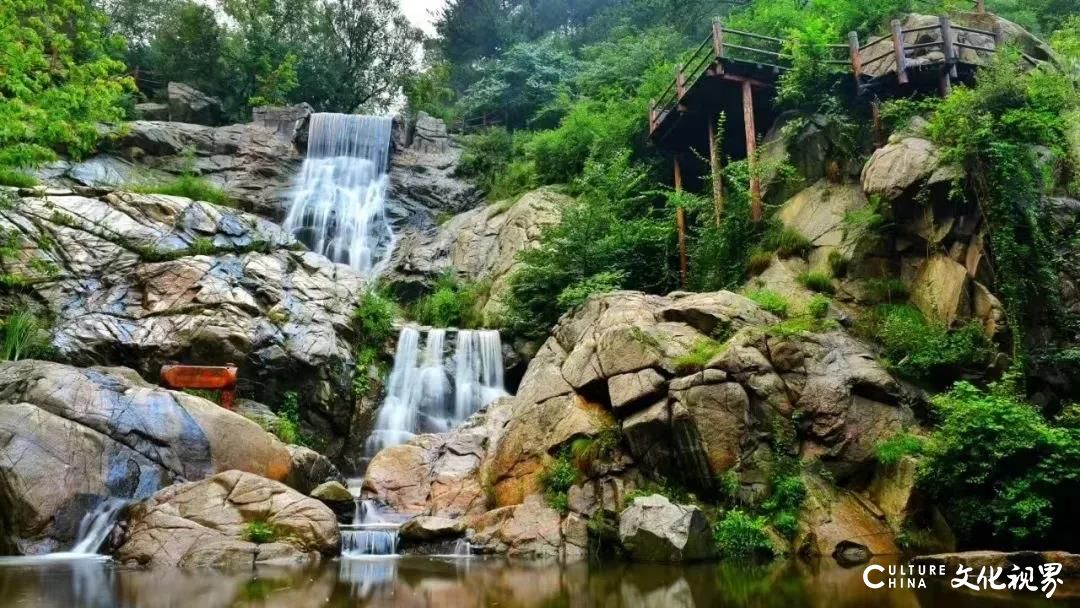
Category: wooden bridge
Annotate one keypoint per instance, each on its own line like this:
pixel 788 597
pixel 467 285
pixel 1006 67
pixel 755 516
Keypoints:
pixel 736 73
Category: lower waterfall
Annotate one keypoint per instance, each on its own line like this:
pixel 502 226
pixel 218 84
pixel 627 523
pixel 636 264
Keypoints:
pixel 433 390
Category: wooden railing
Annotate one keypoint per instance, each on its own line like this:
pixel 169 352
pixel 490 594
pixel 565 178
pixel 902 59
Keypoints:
pixel 770 53
pixel 203 377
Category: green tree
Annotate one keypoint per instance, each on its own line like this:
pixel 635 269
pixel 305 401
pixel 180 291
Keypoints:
pixel 58 79
pixel 189 46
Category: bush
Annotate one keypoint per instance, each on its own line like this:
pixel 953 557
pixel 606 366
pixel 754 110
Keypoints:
pixel 817 281
pixel 188 186
pixel 771 301
pixel 259 532
pixel 558 476
pixel 787 243
pixel 1003 476
pixel 287 426
pixel 578 293
pixel 16 179
pixel 890 451
pixel 24 337
pixel 700 354
pixel 818 307
pixel 886 291
pixel 920 349
pixel 452 304
pixel 740 536
pixel 759 262
pixel 375 317
pixel 839 263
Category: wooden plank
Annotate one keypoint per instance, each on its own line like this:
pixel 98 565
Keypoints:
pixel 756 210
pixel 718 40
pixel 898 51
pixel 206 377
pixel 856 59
pixel 680 224
pixel 717 172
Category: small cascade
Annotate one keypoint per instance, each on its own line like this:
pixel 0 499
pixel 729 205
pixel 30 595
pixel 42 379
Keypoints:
pixel 462 548
pixel 338 207
pixel 433 390
pixel 369 540
pixel 96 526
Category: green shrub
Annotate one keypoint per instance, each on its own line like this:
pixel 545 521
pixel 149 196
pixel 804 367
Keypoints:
pixel 890 451
pixel 839 263
pixel 739 536
pixel 759 262
pixel 202 246
pixel 259 532
pixel 16 179
pixel 558 476
pixel 287 426
pixel 771 301
pixel 787 242
pixel 453 304
pixel 578 293
pixel 817 281
pixel 920 349
pixel 818 306
pixel 188 186
pixel 886 291
pixel 24 337
pixel 375 318
pixel 588 452
pixel 699 356
pixel 1004 477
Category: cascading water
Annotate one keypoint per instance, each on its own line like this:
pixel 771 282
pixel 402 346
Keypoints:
pixel 338 207
pixel 94 528
pixel 419 392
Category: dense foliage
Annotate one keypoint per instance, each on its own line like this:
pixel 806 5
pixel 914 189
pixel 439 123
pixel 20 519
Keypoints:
pixel 1003 475
pixel 58 79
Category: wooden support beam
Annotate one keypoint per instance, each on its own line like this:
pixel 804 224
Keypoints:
pixel 999 36
pixel 949 50
pixel 718 40
pixel 680 82
pixel 878 131
pixel 652 115
pixel 716 171
pixel 756 210
pixel 856 59
pixel 207 377
pixel 898 51
pixel 980 6
pixel 680 224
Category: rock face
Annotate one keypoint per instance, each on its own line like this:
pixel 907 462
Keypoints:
pixel 479 244
pixel 619 366
pixel 141 280
pixel 253 163
pixel 531 530
pixel 207 524
pixel 69 436
pixel 190 105
pixel 654 530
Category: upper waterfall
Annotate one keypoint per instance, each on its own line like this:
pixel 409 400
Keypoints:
pixel 338 207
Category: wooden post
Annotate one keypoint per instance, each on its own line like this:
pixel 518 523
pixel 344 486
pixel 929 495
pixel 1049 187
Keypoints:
pixel 898 50
pixel 680 224
pixel 718 39
pixel 980 6
pixel 717 177
pixel 652 115
pixel 680 82
pixel 999 36
pixel 756 210
pixel 950 56
pixel 856 59
pixel 878 131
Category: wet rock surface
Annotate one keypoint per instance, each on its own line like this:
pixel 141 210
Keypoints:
pixel 70 436
pixel 142 280
pixel 209 524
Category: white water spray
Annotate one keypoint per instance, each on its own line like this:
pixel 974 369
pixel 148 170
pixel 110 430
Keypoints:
pixel 338 207
pixel 421 387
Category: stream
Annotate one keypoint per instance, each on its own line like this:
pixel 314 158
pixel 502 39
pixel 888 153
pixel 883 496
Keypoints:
pixel 464 583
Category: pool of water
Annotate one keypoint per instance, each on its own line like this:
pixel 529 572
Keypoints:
pixel 466 583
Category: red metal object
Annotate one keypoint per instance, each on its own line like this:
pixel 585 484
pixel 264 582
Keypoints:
pixel 207 377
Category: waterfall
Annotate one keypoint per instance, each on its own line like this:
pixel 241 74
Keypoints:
pixel 420 391
pixel 96 526
pixel 338 207
pixel 369 540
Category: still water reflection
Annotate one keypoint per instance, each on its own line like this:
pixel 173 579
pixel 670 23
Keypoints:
pixel 424 582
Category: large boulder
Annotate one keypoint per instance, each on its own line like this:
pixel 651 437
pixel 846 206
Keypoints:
pixel 655 530
pixel 531 530
pixel 70 436
pixel 897 169
pixel 254 164
pixel 142 280
pixel 190 105
pixel 480 244
pixel 208 524
pixel 818 213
